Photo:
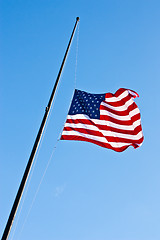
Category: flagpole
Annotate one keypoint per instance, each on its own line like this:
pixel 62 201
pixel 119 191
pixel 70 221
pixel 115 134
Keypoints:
pixel 35 146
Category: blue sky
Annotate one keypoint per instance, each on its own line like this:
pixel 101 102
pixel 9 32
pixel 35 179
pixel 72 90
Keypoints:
pixel 88 192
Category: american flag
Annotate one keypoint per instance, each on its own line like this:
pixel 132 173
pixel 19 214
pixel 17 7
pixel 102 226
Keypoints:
pixel 108 120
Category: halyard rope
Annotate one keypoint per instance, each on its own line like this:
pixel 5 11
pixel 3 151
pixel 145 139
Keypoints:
pixel 75 81
pixel 36 157
pixel 38 188
pixel 44 173
pixel 32 170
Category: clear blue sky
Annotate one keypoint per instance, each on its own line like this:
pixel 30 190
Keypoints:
pixel 88 193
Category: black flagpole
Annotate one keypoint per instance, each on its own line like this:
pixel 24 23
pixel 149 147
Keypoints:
pixel 30 161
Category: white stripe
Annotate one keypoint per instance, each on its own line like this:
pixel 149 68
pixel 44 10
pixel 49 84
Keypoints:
pixel 115 99
pixel 137 123
pixel 105 133
pixel 104 122
pixel 123 118
pixel 133 93
pixel 134 112
pixel 119 108
pixel 96 138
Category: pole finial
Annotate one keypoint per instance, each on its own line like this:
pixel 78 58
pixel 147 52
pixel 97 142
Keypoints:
pixel 77 19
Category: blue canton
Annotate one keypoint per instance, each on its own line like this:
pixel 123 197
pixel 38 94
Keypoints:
pixel 86 103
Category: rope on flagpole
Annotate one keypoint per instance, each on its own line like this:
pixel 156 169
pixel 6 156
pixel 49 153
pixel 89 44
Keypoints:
pixel 33 167
pixel 66 117
pixel 54 148
pixel 44 173
pixel 35 146
pixel 75 81
pixel 38 188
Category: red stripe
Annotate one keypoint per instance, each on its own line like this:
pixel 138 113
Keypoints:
pixel 99 134
pixel 105 145
pixel 120 113
pixel 121 122
pixel 119 92
pixel 105 127
pixel 116 94
pixel 118 103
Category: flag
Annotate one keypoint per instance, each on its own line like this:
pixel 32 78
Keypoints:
pixel 108 120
